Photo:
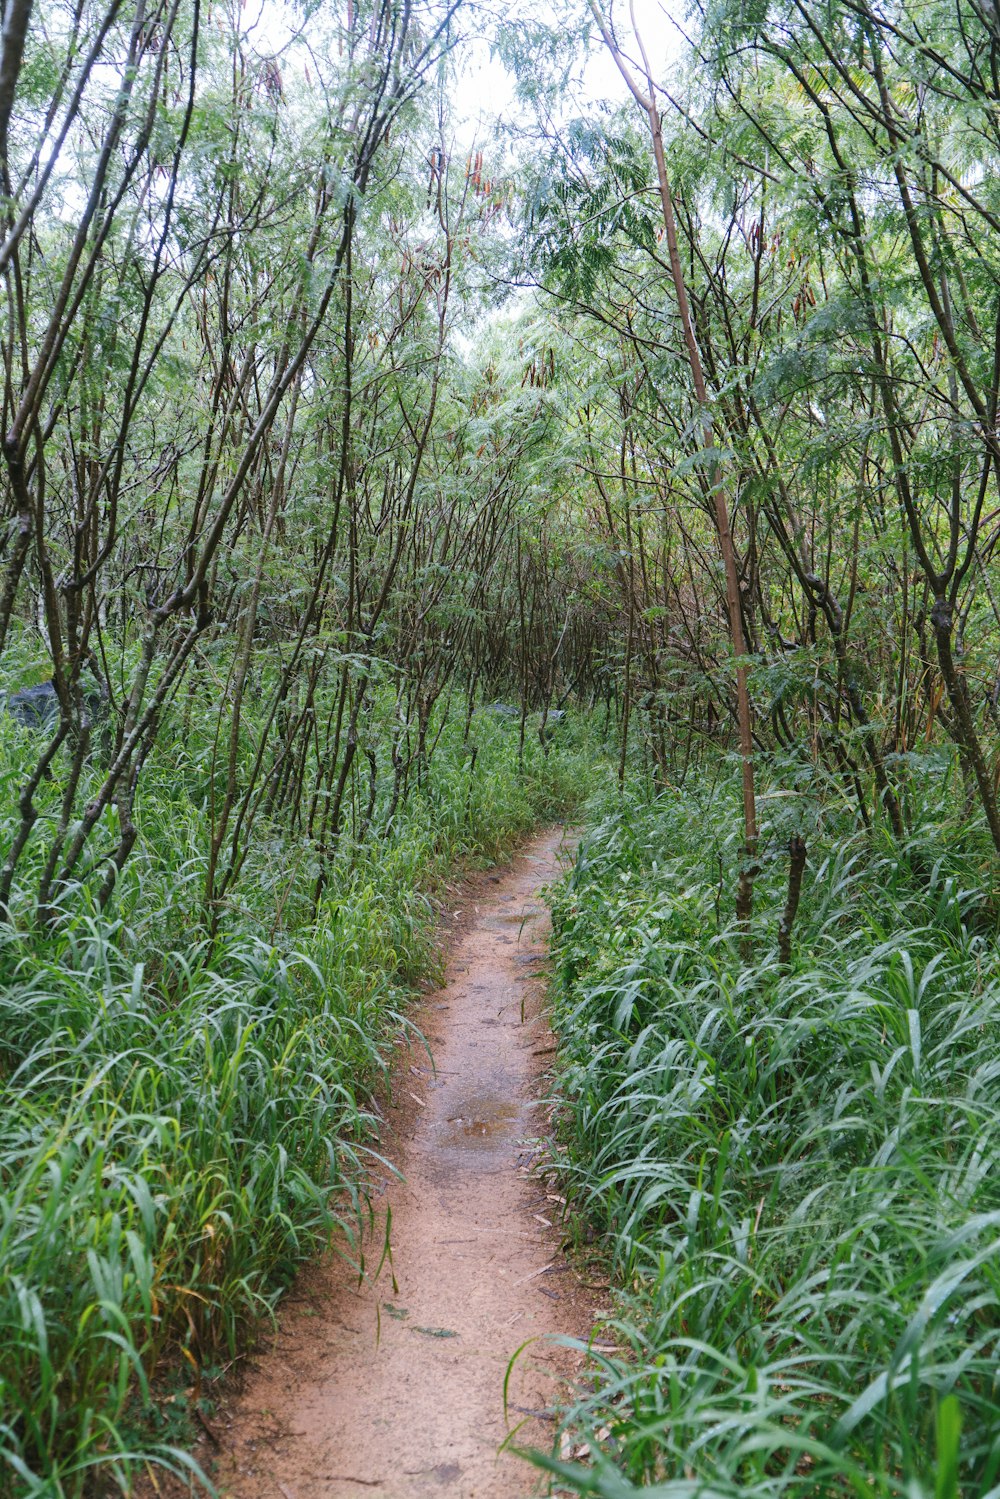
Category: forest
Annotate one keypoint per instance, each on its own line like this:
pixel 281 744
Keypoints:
pixel 380 485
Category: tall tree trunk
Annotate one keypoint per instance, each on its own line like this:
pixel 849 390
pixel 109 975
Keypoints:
pixel 647 101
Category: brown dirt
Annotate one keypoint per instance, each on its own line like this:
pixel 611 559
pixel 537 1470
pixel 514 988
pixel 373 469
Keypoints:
pixel 398 1390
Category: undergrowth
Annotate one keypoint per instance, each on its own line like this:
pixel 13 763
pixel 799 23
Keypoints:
pixel 183 1121
pixel 796 1171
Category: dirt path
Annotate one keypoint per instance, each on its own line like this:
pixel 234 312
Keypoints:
pixel 399 1392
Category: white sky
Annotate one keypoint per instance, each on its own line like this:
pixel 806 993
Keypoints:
pixel 485 90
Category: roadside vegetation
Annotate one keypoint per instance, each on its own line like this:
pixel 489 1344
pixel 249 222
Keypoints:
pixel 364 475
pixel 776 270
pixel 185 1120
pixel 789 1164
pixel 288 628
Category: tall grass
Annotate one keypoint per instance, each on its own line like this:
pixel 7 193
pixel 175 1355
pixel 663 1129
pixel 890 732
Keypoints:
pixel 798 1171
pixel 183 1122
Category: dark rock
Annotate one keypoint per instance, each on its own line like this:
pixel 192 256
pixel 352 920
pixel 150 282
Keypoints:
pixel 35 707
pixel 38 707
pixel 501 710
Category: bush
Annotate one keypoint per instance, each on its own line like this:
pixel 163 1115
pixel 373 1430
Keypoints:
pixel 796 1171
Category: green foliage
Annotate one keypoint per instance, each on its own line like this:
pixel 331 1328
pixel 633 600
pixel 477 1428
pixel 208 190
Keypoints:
pixel 182 1122
pixel 793 1169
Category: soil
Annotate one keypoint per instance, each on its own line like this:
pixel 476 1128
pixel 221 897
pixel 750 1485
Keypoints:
pixel 394 1386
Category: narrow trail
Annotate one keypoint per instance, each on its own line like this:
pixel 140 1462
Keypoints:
pixel 399 1392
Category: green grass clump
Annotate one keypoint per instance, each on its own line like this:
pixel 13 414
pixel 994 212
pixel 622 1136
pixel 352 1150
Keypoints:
pixel 184 1120
pixel 167 1157
pixel 798 1172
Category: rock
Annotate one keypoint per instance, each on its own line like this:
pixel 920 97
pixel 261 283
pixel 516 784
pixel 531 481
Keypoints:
pixel 35 707
pixel 501 710
pixel 38 707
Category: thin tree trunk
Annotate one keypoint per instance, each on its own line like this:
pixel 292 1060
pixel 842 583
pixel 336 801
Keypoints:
pixel 796 864
pixel 647 101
